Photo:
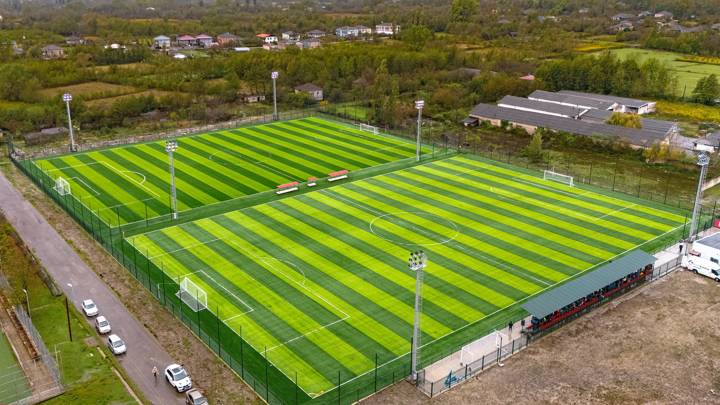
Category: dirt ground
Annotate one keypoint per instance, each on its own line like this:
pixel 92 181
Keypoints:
pixel 209 373
pixel 659 344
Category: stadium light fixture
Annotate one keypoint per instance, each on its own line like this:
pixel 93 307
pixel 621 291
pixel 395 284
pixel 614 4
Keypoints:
pixel 419 104
pixel 170 147
pixel 417 263
pixel 274 75
pixel 703 160
pixel 67 98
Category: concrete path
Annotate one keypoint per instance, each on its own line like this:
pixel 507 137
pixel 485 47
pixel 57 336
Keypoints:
pixel 66 267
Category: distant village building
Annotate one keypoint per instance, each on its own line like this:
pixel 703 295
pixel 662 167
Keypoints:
pixel 226 39
pixel 664 15
pixel 204 40
pixel 387 29
pixel 315 92
pixel 623 26
pixel 623 17
pixel 267 38
pixel 363 30
pixel 161 42
pixel 308 44
pixel 185 40
pixel 53 52
pixel 290 36
pixel 73 40
pixel 346 32
pixel 253 98
pixel 315 34
pixel 716 27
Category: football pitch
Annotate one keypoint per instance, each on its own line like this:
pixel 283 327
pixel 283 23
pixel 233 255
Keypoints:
pixel 132 183
pixel 319 282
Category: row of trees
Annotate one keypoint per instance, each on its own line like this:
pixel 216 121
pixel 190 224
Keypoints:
pixel 608 74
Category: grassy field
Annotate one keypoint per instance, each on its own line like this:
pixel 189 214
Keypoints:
pixel 688 72
pixel 13 384
pixel 131 183
pixel 89 90
pixel 109 101
pixel 319 282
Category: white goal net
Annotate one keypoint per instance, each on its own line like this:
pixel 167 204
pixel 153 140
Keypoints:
pixel 558 177
pixel 488 344
pixel 192 295
pixel 62 186
pixel 369 128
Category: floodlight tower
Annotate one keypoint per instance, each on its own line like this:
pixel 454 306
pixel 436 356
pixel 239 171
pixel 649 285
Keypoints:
pixel 274 75
pixel 417 263
pixel 702 160
pixel 170 147
pixel 419 104
pixel 67 98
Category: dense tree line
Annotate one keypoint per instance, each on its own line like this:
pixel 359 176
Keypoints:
pixel 609 75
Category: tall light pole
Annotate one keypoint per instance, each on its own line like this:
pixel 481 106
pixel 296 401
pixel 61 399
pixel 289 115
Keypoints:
pixel 72 291
pixel 27 302
pixel 417 263
pixel 419 104
pixel 274 76
pixel 702 160
pixel 170 147
pixel 67 98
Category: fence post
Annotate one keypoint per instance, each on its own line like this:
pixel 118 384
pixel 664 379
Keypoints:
pixel 590 177
pixel 376 370
pixel 667 186
pixel 338 387
pixel 217 318
pixel 614 174
pixel 267 387
pixel 242 356
pixel 296 388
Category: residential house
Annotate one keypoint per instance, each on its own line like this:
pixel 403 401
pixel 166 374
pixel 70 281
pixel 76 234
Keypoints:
pixel 267 38
pixel 387 29
pixel 253 98
pixel 584 10
pixel 161 42
pixel 204 40
pixel 284 44
pixel 664 15
pixel 315 92
pixel 623 26
pixel 623 16
pixel 308 43
pixel 53 52
pixel 363 30
pixel 528 77
pixel 315 34
pixel 290 36
pixel 227 39
pixel 271 46
pixel 346 32
pixel 73 40
pixel 186 41
pixel 644 14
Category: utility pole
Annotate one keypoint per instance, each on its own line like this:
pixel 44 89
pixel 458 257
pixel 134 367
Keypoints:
pixel 702 160
pixel 170 147
pixel 419 104
pixel 417 263
pixel 274 75
pixel 27 302
pixel 67 98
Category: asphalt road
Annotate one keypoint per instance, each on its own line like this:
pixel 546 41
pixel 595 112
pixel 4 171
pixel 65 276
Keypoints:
pixel 66 267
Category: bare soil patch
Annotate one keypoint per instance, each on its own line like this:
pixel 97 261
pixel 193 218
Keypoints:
pixel 660 344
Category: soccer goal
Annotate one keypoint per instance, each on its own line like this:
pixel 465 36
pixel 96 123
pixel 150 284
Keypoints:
pixel 62 186
pixel 192 295
pixel 369 128
pixel 558 177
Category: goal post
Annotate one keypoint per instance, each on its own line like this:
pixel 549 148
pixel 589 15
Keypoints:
pixel 192 295
pixel 369 128
pixel 62 186
pixel 558 177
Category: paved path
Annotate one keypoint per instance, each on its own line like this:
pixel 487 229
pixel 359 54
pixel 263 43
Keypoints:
pixel 65 266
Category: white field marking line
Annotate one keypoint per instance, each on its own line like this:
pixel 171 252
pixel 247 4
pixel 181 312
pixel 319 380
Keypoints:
pixel 302 285
pixel 380 214
pixel 421 231
pixel 122 173
pixel 190 246
pixel 242 159
pixel 510 269
pixel 250 309
pixel 514 303
pixel 125 204
pixel 138 173
pixel 616 211
pixel 71 167
pixel 80 180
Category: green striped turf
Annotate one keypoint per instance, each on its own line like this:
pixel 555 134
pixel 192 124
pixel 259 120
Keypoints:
pixel 325 272
pixel 126 181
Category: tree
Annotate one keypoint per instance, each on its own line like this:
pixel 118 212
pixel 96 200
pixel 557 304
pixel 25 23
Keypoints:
pixel 416 36
pixel 384 93
pixel 707 90
pixel 462 10
pixel 625 120
pixel 534 150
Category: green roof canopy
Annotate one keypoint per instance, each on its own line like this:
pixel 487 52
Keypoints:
pixel 548 302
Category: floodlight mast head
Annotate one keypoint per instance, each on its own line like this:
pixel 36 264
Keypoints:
pixel 67 97
pixel 274 75
pixel 171 146
pixel 419 104
pixel 417 260
pixel 703 159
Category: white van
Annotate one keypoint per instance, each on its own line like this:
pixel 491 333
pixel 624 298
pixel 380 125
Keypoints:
pixel 699 265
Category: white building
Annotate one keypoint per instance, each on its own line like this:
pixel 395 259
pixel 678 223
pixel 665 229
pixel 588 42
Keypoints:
pixel 387 29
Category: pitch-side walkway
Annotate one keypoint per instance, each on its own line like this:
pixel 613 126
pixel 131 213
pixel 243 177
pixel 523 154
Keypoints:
pixel 66 267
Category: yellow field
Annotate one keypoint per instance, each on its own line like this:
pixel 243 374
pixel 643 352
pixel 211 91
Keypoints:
pixel 711 60
pixel 694 112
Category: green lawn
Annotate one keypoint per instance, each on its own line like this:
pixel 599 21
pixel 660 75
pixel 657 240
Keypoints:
pixel 131 183
pixel 688 72
pixel 13 384
pixel 319 282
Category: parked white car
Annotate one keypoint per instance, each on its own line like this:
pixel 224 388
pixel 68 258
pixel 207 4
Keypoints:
pixel 178 377
pixel 89 307
pixel 116 345
pixel 102 325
